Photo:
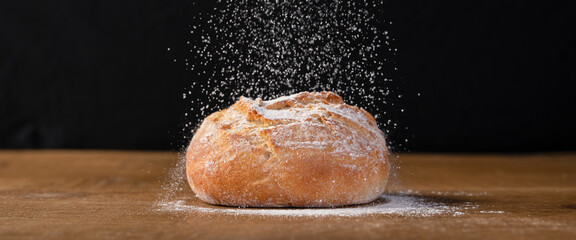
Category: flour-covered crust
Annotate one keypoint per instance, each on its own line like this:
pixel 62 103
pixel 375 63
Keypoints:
pixel 302 150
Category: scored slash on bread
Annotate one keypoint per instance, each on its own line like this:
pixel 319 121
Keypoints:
pixel 302 150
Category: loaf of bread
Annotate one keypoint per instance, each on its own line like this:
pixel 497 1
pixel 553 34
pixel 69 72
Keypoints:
pixel 303 150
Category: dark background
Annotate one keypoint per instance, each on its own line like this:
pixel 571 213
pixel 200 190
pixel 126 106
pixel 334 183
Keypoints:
pixel 493 76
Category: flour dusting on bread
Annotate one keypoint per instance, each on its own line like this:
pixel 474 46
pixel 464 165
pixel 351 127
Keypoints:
pixel 306 149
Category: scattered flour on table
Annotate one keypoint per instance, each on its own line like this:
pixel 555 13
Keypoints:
pixel 396 205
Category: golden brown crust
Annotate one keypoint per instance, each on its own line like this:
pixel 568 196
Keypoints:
pixel 303 150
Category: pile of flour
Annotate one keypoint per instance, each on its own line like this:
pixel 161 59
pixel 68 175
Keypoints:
pixel 399 205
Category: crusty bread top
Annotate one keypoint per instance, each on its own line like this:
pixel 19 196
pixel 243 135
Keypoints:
pixel 317 111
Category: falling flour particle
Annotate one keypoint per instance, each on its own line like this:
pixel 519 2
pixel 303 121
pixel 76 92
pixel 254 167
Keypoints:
pixel 395 205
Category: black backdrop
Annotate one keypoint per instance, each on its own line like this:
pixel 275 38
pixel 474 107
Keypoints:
pixel 493 76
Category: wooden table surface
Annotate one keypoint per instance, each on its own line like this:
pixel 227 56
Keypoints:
pixel 113 195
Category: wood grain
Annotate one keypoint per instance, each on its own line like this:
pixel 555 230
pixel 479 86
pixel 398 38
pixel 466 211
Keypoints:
pixel 112 195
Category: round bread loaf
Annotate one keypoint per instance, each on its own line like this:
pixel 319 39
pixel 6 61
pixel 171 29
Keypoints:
pixel 303 150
